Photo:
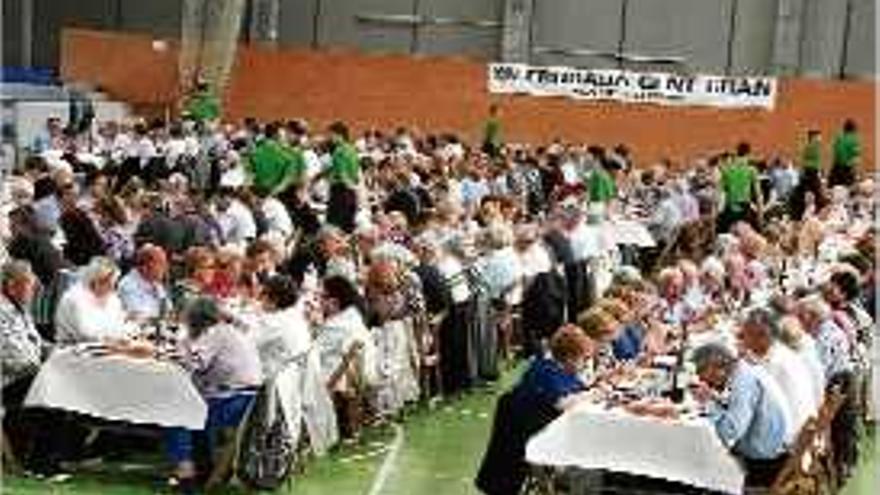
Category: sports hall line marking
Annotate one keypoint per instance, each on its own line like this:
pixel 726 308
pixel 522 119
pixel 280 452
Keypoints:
pixel 388 464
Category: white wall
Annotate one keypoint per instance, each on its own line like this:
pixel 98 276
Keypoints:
pixel 30 116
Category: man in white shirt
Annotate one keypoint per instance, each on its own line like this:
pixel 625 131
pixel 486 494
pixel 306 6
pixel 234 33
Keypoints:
pixel 179 146
pixel 120 141
pixel 236 220
pixel 666 218
pixel 757 337
pixel 792 334
pixel 21 346
pixel 278 220
pixel 142 148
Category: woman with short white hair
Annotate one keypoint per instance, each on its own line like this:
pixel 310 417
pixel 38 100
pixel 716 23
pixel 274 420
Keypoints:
pixel 670 282
pixel 713 279
pixel 91 309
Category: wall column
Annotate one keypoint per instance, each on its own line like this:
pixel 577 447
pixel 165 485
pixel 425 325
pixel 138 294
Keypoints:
pixel 27 33
pixel 824 26
pixel 516 42
pixel 788 36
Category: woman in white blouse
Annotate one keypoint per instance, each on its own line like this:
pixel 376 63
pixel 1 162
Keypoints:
pixel 282 337
pixel 281 333
pixel 342 330
pixel 91 309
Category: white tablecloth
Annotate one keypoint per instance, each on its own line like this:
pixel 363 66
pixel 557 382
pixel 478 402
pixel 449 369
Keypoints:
pixel 686 451
pixel 118 388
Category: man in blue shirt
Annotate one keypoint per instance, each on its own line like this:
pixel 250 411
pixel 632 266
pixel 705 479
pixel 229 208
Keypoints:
pixel 142 289
pixel 752 420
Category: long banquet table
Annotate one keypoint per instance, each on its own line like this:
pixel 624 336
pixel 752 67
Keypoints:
pixel 684 450
pixel 118 388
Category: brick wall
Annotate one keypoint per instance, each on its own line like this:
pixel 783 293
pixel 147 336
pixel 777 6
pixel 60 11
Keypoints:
pixel 449 94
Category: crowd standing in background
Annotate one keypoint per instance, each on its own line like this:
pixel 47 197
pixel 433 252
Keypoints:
pixel 409 264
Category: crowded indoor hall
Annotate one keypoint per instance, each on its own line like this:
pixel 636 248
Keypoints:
pixel 548 278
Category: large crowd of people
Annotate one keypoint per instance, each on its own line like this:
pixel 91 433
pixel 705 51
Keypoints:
pixel 408 265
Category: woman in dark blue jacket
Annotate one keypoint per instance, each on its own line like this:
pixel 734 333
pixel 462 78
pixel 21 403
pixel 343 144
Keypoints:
pixel 547 388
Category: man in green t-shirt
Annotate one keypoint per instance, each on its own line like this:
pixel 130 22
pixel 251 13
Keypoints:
pixel 274 166
pixel 344 175
pixel 203 105
pixel 345 168
pixel 602 186
pixel 811 157
pixel 742 193
pixel 492 135
pixel 847 152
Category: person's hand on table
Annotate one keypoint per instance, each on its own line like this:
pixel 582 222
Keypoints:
pixel 135 348
pixel 140 350
pixel 573 400
pixel 658 408
pixel 620 373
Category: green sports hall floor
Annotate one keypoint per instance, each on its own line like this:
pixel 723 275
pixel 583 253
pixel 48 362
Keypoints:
pixel 439 453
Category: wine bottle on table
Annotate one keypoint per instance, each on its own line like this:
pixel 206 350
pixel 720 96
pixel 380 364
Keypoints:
pixel 677 390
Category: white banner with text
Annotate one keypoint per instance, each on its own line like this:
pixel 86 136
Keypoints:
pixel 633 87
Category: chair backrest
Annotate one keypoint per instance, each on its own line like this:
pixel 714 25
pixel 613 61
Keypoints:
pixel 802 472
pixel 834 399
pixel 800 462
pixel 347 359
pixel 265 443
pixel 430 344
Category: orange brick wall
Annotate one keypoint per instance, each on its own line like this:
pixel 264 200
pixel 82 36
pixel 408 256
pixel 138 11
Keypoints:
pixel 450 94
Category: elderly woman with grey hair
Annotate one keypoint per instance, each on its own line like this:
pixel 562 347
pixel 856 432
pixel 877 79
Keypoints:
pixel 225 366
pixel 753 420
pixel 713 280
pixel 91 310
